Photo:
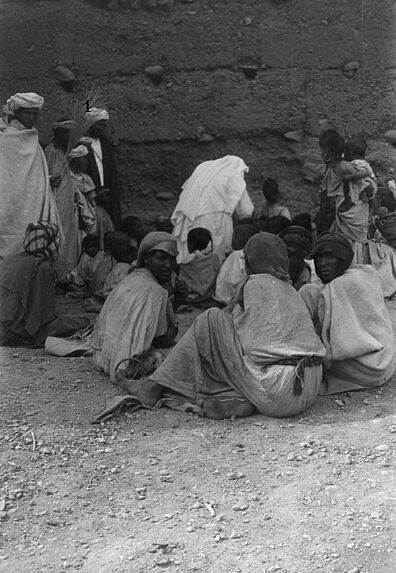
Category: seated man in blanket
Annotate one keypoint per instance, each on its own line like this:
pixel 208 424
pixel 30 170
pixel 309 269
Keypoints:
pixel 263 354
pixel 200 269
pixel 137 317
pixel 27 292
pixel 350 315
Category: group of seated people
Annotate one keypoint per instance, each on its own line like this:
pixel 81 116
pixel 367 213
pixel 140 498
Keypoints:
pixel 287 317
pixel 271 350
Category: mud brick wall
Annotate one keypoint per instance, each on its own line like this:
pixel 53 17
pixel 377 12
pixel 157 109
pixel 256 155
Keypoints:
pixel 190 80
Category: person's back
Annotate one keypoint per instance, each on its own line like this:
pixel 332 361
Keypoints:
pixel 27 291
pixel 199 271
pixel 27 300
pixel 233 269
pixel 211 195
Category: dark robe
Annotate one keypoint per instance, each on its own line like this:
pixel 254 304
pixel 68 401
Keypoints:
pixel 27 303
pixel 109 178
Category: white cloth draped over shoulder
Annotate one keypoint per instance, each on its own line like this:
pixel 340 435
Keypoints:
pixel 356 330
pixel 25 193
pixel 214 192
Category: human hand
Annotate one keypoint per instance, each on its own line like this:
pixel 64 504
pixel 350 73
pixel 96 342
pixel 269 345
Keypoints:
pixel 181 290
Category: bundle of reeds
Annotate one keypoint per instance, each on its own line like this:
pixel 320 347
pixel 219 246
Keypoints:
pixel 93 98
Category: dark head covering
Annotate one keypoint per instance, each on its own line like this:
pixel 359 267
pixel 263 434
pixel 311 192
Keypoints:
pixel 241 234
pixel 355 147
pixel 336 245
pixel 303 220
pixel 297 236
pixel 156 241
pixel 278 224
pixel 266 254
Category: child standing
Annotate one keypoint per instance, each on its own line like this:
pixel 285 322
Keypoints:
pixel 340 181
pixel 270 206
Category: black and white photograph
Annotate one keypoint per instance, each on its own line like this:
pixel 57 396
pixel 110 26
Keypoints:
pixel 197 286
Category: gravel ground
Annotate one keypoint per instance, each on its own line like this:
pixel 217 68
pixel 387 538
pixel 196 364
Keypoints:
pixel 149 491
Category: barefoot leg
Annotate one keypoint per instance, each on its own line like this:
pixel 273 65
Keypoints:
pixel 145 390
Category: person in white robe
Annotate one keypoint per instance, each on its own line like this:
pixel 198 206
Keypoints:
pixel 25 192
pixel 215 192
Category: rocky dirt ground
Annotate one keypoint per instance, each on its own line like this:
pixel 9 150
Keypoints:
pixel 152 491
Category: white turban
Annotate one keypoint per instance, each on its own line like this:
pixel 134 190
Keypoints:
pixel 27 100
pixel 97 114
pixel 80 151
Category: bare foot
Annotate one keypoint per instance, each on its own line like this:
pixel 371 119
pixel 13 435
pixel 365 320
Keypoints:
pixel 145 390
pixel 219 409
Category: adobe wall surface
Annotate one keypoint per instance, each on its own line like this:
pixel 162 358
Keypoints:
pixel 315 63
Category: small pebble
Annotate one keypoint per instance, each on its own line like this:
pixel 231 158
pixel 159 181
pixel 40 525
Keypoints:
pixel 382 448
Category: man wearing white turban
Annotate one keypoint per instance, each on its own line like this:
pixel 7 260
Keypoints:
pixel 25 192
pixel 101 164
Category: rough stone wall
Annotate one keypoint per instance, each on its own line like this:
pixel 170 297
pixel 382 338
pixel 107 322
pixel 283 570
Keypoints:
pixel 235 77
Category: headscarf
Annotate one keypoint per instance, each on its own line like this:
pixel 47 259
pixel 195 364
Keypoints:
pixel 80 151
pixel 96 114
pixel 266 254
pixel 156 241
pixel 298 237
pixel 336 245
pixel 42 241
pixel 27 100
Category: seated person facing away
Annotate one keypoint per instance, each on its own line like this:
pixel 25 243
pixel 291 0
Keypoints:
pixel 233 270
pixel 134 228
pixel 163 223
pixel 298 243
pixel 350 315
pixel 27 292
pixel 200 269
pixel 137 316
pixel 81 276
pixel 261 354
pixel 277 224
pixel 270 207
pixel 303 220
